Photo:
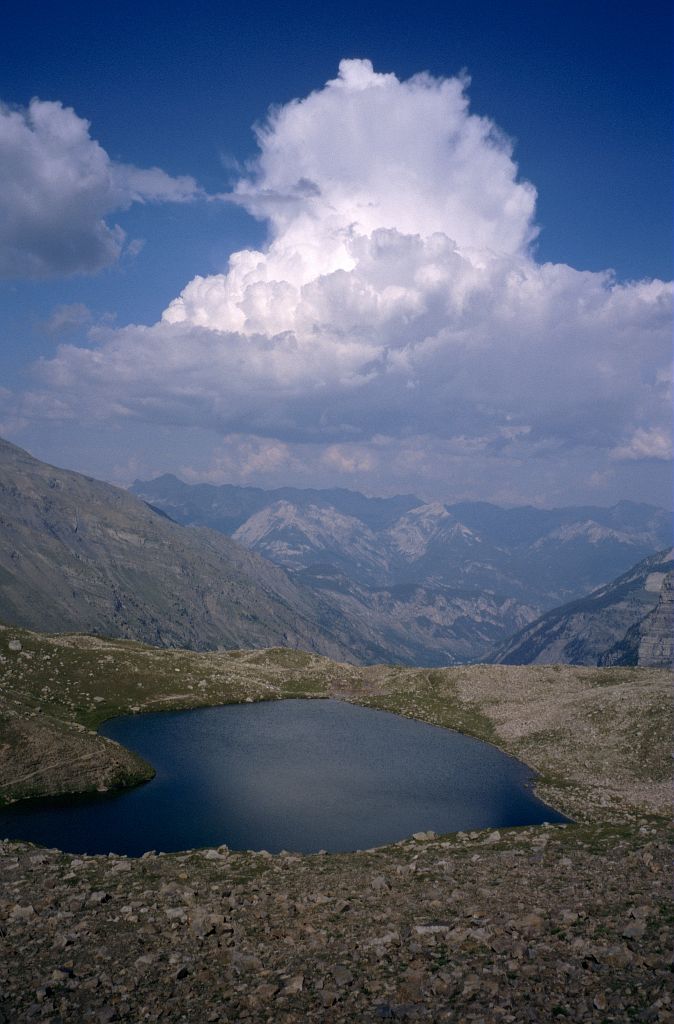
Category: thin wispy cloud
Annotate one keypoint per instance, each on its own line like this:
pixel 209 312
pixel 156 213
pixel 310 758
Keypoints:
pixel 67 317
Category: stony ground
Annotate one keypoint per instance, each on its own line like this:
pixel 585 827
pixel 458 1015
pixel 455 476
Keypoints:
pixel 568 923
pixel 529 925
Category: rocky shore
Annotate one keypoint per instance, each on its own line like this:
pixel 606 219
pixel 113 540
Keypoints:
pixel 554 923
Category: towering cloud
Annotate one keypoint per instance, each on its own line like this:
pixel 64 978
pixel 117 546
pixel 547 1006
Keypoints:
pixel 398 297
pixel 392 183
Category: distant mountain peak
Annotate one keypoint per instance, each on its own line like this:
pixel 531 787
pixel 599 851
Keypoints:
pixel 534 558
pixel 591 531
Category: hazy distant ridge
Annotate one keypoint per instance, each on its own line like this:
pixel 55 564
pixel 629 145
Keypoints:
pixel 428 583
pixel 539 556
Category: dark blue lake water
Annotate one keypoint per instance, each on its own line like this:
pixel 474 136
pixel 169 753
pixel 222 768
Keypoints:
pixel 298 775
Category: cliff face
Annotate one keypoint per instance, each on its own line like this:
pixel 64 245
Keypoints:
pixel 656 641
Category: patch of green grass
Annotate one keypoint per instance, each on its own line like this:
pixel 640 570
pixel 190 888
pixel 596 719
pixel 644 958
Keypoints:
pixel 435 699
pixel 295 687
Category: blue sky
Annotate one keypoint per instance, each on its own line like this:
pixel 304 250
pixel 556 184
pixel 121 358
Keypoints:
pixel 583 93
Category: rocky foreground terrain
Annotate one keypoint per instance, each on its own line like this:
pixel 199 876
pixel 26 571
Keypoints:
pixel 567 923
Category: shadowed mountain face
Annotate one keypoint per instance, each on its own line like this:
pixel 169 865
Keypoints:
pixel 626 622
pixel 78 554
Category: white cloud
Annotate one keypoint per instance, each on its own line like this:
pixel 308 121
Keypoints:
pixel 398 297
pixel 349 459
pixel 68 317
pixel 650 443
pixel 58 186
pixel 242 459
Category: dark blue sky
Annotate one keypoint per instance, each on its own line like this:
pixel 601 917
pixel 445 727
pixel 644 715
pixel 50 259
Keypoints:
pixel 583 89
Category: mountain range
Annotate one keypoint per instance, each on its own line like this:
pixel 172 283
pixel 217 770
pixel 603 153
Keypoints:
pixel 356 578
pixel 540 556
pixel 429 583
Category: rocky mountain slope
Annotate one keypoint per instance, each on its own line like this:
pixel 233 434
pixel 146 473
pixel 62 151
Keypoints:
pixel 625 622
pixel 298 537
pixel 656 633
pixel 650 641
pixel 78 554
pixel 421 624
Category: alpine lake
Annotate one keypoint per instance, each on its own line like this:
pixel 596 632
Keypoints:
pixel 296 775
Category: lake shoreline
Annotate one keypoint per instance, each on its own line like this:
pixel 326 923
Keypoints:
pixel 548 717
pixel 290 774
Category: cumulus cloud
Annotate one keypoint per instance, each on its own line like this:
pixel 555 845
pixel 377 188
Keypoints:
pixel 398 296
pixel 646 443
pixel 242 458
pixel 59 186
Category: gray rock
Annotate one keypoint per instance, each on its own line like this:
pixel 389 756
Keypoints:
pixel 293 985
pixel 21 912
pixel 98 898
pixel 342 975
pixel 379 883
